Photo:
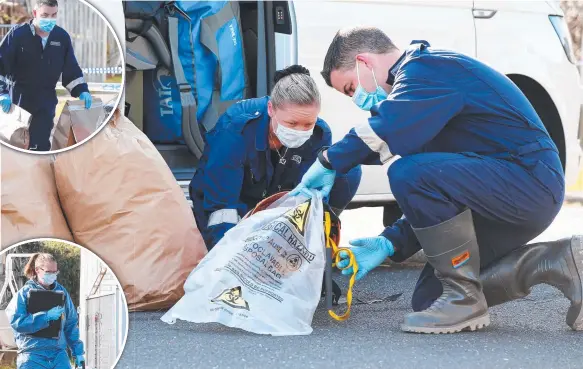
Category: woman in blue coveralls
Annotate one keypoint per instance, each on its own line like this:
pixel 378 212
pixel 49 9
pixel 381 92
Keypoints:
pixel 478 177
pixel 260 147
pixel 39 352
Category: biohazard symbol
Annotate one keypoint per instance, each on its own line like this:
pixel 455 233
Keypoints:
pixel 298 216
pixel 294 262
pixel 233 297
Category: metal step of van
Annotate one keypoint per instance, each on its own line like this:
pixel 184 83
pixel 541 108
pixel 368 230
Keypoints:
pixel 180 160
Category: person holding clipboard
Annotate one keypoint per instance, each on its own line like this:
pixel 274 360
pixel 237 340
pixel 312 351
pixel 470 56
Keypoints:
pixel 44 319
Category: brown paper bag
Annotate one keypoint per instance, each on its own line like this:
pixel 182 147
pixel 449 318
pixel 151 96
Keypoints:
pixel 123 203
pixel 30 205
pixel 14 127
pixel 77 123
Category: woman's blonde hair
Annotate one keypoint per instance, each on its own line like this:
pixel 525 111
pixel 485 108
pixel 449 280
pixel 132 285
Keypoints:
pixel 294 86
pixel 36 260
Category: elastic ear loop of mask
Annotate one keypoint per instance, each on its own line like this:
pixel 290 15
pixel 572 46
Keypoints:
pixel 373 76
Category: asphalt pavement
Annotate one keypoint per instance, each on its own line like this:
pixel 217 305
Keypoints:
pixel 527 333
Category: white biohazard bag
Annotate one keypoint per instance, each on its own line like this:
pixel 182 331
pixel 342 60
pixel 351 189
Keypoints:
pixel 265 275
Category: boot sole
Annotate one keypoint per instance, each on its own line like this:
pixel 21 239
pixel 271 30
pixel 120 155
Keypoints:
pixel 470 325
pixel 575 316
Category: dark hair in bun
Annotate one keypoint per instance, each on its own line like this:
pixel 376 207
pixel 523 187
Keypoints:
pixel 292 69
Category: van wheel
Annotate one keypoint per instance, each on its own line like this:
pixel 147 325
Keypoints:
pixel 391 213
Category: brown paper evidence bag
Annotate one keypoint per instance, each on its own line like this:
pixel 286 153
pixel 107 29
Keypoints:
pixel 120 200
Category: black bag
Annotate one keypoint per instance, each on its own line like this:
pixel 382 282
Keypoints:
pixel 42 301
pixel 152 13
pixel 144 10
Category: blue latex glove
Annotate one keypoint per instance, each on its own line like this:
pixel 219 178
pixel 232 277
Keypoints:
pixel 369 253
pixel 55 312
pixel 316 178
pixel 79 360
pixel 5 103
pixel 86 96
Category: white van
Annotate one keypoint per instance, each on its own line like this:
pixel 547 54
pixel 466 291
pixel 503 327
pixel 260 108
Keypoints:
pixel 527 40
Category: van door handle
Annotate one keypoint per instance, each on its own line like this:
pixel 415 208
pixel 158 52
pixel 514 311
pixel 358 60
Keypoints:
pixel 484 13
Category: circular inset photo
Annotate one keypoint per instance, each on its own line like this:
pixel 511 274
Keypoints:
pixel 61 74
pixel 61 307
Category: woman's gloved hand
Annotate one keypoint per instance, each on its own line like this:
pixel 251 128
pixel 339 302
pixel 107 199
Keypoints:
pixel 5 103
pixel 316 178
pixel 86 97
pixel 369 253
pixel 55 312
pixel 79 360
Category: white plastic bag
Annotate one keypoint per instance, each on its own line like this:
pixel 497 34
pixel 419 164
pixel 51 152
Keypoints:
pixel 7 339
pixel 14 127
pixel 76 123
pixel 265 275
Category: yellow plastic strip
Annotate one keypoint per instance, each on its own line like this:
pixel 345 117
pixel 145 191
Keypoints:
pixel 336 257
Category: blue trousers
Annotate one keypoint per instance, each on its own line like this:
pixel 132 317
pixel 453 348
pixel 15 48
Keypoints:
pixel 46 360
pixel 41 125
pixel 512 202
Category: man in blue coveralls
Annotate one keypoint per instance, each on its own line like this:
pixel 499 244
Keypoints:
pixel 32 58
pixel 478 178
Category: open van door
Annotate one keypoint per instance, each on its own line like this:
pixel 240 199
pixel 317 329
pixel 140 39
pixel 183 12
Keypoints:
pixel 191 50
pixel 269 38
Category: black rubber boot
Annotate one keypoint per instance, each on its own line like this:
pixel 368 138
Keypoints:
pixel 558 263
pixel 452 249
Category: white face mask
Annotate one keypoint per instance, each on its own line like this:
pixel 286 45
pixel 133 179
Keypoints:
pixel 292 138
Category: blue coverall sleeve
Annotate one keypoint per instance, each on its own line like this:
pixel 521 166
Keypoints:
pixel 7 61
pixel 345 187
pixel 412 115
pixel 72 328
pixel 345 184
pixel 223 179
pixel 326 141
pixel 403 238
pixel 25 323
pixel 73 78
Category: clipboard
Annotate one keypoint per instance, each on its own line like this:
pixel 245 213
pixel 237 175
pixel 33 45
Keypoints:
pixel 42 300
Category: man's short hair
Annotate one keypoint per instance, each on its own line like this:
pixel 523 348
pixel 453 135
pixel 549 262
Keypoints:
pixel 50 3
pixel 352 41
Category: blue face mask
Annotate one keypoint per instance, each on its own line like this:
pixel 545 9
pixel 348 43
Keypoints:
pixel 49 278
pixel 364 99
pixel 46 25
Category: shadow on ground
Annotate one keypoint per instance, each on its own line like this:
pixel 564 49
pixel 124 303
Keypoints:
pixel 529 333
